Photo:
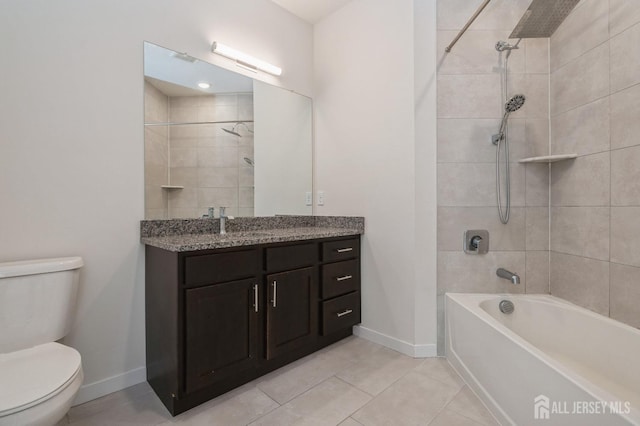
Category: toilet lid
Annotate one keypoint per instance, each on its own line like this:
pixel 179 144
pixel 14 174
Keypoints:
pixel 30 375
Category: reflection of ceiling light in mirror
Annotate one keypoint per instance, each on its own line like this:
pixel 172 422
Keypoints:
pixel 204 85
pixel 244 60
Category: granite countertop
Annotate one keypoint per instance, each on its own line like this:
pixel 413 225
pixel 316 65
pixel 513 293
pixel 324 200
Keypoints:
pixel 190 242
pixel 201 234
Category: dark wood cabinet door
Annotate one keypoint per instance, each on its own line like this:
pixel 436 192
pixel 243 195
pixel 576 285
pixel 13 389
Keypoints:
pixel 221 331
pixel 292 310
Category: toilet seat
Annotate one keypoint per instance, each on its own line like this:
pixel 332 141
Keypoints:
pixel 31 376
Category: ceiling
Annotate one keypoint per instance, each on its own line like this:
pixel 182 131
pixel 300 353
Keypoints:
pixel 311 11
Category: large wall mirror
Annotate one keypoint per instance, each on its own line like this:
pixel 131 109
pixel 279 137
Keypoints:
pixel 218 138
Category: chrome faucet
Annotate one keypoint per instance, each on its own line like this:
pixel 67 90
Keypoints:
pixel 209 214
pixel 223 221
pixel 507 275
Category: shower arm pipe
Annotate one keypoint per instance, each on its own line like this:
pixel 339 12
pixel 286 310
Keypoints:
pixel 198 122
pixel 467 25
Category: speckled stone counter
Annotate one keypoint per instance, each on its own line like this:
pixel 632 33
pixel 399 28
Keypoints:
pixel 180 235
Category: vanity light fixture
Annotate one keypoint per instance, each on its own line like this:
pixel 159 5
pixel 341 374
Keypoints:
pixel 244 60
pixel 204 85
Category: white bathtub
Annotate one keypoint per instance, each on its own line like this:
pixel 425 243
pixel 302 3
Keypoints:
pixel 585 364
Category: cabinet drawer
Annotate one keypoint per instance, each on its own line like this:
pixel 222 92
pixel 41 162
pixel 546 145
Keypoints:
pixel 220 267
pixel 340 250
pixel 291 257
pixel 340 313
pixel 340 278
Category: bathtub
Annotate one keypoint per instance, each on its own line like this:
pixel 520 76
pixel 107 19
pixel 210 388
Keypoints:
pixel 549 362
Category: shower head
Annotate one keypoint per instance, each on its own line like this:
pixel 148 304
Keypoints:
pixel 514 104
pixel 542 18
pixel 249 161
pixel 232 131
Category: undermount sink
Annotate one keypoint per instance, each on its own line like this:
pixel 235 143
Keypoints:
pixel 246 234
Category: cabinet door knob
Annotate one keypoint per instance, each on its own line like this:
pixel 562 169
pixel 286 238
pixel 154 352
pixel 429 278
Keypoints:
pixel 344 278
pixel 255 297
pixel 344 250
pixel 275 292
pixel 347 312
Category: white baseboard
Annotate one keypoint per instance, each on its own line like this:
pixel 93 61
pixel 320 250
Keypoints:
pixel 109 385
pixel 415 351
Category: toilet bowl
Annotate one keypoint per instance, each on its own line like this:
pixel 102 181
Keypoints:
pixel 39 378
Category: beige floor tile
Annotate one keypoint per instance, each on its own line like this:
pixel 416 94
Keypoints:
pixel 108 402
pixel 286 383
pixel 415 399
pixel 352 348
pixel 451 418
pixel 240 409
pixel 439 369
pixel 146 410
pixel 468 404
pixel 328 403
pixel 380 369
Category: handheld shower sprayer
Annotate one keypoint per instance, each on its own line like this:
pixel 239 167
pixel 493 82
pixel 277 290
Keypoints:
pixel 512 105
pixel 233 130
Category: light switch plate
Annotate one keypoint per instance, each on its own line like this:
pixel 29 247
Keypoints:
pixel 308 199
pixel 321 198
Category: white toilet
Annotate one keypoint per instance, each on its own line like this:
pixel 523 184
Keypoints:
pixel 39 378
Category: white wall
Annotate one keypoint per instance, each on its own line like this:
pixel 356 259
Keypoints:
pixel 71 143
pixel 282 151
pixel 366 158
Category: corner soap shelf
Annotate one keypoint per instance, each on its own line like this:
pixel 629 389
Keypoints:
pixel 548 158
pixel 171 187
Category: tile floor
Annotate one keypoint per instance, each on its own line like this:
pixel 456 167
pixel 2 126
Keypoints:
pixel 351 383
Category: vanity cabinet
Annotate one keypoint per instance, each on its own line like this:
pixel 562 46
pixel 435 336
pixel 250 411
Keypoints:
pixel 216 319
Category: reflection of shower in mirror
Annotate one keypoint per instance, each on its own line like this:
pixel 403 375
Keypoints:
pixel 233 130
pixel 249 161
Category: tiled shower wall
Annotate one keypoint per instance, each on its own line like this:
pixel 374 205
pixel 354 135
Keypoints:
pixel 156 149
pixel 207 161
pixel 470 108
pixel 595 199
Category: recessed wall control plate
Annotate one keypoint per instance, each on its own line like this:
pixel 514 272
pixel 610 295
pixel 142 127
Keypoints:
pixel 476 241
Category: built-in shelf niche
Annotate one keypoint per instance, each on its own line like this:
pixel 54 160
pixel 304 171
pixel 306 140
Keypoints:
pixel 548 158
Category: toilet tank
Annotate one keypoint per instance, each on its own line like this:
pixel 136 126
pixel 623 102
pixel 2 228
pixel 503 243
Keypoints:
pixel 37 301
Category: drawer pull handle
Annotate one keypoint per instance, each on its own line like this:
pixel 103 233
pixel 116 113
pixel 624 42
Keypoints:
pixel 346 277
pixel 255 297
pixel 344 250
pixel 341 314
pixel 275 291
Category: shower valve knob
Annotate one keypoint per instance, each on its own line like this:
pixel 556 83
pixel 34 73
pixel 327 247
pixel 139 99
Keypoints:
pixel 476 241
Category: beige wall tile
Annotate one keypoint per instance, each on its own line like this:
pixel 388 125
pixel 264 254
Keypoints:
pixel 183 157
pixel 184 114
pixel 475 53
pixel 537 185
pixel 582 281
pixel 154 176
pixel 463 273
pixel 536 137
pixel 537 228
pixel 226 197
pixel 537 271
pixel 626 58
pixel 245 197
pixel 625 235
pixel 536 55
pixel 581 182
pixel 535 88
pixel 469 96
pixel 155 214
pixel 186 198
pixel 585 28
pixel 245 177
pixel 186 213
pixel 453 221
pixel 473 185
pixel 184 131
pixel 581 231
pixel 622 15
pixel 581 81
pixel 498 15
pixel 625 294
pixel 625 177
pixel 212 177
pixel 217 157
pixel 625 125
pixel 155 197
pixel 185 176
pixel 583 130
pixel 245 212
pixel 469 140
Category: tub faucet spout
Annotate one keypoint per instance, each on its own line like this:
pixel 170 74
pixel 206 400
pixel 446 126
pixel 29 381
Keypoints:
pixel 507 275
